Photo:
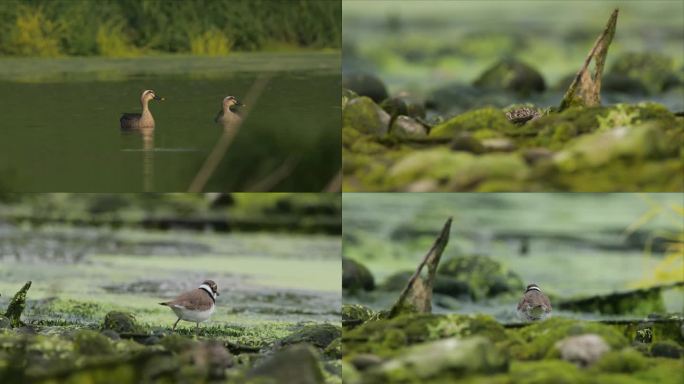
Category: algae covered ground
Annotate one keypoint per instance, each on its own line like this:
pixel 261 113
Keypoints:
pixel 465 96
pixel 611 265
pixel 92 314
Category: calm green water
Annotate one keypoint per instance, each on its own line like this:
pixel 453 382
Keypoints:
pixel 60 124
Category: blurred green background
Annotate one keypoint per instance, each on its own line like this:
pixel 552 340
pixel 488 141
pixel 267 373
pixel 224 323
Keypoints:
pixel 416 46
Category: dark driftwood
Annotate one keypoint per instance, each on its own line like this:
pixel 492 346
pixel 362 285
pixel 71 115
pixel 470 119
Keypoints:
pixel 418 288
pixel 608 322
pixel 585 89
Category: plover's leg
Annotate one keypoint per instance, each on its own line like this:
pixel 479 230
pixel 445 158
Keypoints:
pixel 174 324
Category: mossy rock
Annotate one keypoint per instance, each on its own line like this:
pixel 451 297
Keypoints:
pixel 334 349
pixel 294 364
pixel 512 75
pixel 121 322
pixel 637 302
pixel 91 343
pixel 176 343
pixel 627 360
pixel 591 151
pixel 539 339
pixel 364 84
pixel 347 94
pixel 404 126
pixel 485 276
pixel 386 337
pixel 489 118
pixel 355 276
pixel 355 314
pixel 443 360
pixel 365 116
pixel 653 70
pixel 667 348
pixel 319 335
pixel 404 105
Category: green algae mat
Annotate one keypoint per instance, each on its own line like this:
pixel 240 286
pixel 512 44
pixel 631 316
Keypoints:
pixel 91 313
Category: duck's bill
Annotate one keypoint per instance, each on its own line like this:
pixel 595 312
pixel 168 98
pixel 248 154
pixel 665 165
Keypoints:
pixel 159 98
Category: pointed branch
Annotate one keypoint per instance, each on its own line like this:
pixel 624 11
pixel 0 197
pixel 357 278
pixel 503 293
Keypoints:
pixel 585 90
pixel 418 287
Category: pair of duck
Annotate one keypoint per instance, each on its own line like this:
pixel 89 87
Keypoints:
pixel 226 116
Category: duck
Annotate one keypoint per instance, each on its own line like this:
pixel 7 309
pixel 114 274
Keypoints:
pixel 226 116
pixel 144 119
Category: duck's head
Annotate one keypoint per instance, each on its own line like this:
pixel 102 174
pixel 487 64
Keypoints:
pixel 148 95
pixel 231 101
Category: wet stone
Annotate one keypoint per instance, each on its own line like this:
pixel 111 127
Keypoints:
pixel 364 84
pixel 512 75
pixel 583 350
pixel 355 276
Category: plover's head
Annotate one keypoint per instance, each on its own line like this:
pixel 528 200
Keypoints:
pixel 149 94
pixel 532 287
pixel 210 285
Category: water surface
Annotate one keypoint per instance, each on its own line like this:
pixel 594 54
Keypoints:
pixel 60 125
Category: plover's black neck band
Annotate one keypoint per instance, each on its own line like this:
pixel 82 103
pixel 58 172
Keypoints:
pixel 533 289
pixel 206 289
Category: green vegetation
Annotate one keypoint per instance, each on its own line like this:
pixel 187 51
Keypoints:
pixel 124 28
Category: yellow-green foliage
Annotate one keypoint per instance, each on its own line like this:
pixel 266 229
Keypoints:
pixel 669 269
pixel 619 116
pixel 112 42
pixel 210 43
pixel 34 35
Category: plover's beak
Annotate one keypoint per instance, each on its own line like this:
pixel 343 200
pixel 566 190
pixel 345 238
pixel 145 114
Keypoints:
pixel 239 104
pixel 159 98
pixel 216 293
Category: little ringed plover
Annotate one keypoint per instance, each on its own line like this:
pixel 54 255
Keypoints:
pixel 196 305
pixel 534 304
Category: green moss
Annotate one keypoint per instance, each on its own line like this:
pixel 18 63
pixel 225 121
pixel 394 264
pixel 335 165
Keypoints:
pixel 441 361
pixel 538 339
pixel 355 314
pixel 485 276
pixel 489 118
pixel 91 343
pixel 651 69
pixel 319 335
pixel 17 305
pixel 385 337
pixel 334 349
pixel 637 302
pixel 625 361
pixel 512 75
pixel 121 322
pixel 545 371
pixel 365 116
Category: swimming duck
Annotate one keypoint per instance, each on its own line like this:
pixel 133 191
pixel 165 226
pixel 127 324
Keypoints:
pixel 226 116
pixel 144 119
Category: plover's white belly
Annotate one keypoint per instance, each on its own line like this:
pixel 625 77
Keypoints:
pixel 194 316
